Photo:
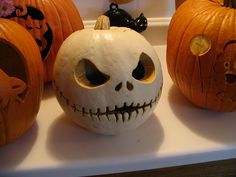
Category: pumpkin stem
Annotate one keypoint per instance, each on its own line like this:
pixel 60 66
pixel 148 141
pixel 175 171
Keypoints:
pixel 230 3
pixel 103 23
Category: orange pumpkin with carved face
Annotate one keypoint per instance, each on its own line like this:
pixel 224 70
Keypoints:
pixel 201 53
pixel 50 22
pixel 21 81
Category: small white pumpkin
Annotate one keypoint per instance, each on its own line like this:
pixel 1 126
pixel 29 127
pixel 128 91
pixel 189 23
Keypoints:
pixel 107 79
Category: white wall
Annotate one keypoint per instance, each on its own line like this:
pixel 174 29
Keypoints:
pixel 91 9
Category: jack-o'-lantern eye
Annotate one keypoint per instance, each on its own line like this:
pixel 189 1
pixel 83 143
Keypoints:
pixel 12 64
pixel 227 65
pixel 145 70
pixel 88 75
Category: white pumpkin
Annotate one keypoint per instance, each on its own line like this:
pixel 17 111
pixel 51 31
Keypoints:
pixel 107 80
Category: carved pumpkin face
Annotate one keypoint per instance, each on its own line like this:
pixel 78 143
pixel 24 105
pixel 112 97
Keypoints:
pixel 41 19
pixel 34 21
pixel 21 80
pixel 201 53
pixel 104 83
pixel 225 70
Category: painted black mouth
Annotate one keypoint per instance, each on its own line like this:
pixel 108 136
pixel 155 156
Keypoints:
pixel 119 112
pixel 122 112
pixel 131 108
pixel 230 78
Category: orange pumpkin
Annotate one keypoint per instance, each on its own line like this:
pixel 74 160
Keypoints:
pixel 50 22
pixel 21 80
pixel 179 2
pixel 201 53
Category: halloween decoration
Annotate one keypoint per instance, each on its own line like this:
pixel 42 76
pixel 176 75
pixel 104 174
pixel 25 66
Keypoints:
pixel 119 17
pixel 49 22
pixel 201 53
pixel 21 81
pixel 105 84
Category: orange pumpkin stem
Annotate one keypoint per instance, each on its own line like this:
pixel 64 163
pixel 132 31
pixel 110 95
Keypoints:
pixel 230 3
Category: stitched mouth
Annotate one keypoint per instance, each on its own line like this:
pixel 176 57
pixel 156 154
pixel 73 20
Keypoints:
pixel 122 110
pixel 131 108
pixel 230 77
pixel 122 113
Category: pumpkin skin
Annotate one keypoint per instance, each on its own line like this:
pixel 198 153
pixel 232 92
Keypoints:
pixel 201 57
pixel 21 80
pixel 50 22
pixel 179 2
pixel 100 79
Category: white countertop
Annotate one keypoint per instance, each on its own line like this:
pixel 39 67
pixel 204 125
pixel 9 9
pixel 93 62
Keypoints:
pixel 176 134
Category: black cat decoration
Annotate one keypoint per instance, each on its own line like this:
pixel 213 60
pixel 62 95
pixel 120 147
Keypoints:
pixel 119 17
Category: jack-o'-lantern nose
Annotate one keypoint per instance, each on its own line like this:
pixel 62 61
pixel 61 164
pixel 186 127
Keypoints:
pixel 129 86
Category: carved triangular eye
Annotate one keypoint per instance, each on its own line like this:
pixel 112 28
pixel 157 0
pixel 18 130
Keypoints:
pixel 145 70
pixel 88 75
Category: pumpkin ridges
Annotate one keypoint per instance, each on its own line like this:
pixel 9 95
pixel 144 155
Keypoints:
pixel 180 63
pixel 24 50
pixel 16 126
pixel 7 123
pixel 221 106
pixel 179 20
pixel 212 82
pixel 220 31
pixel 234 106
pixel 200 64
pixel 60 38
pixel 223 34
pixel 203 58
pixel 64 17
pixel 173 61
pixel 73 20
pixel 214 53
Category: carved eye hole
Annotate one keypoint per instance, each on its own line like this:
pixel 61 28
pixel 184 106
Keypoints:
pixel 227 65
pixel 145 70
pixel 12 64
pixel 88 75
